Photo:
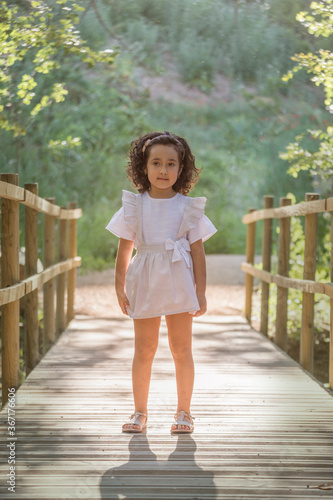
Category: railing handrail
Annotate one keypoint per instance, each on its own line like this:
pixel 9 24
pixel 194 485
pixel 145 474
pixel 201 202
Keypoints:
pixel 17 193
pixel 303 208
pixel 308 285
pixel 28 285
pixel 324 288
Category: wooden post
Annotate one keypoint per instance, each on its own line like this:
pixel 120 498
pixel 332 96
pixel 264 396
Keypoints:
pixel 61 281
pixel 31 299
pixel 250 251
pixel 266 264
pixel 310 256
pixel 283 270
pixel 48 289
pixel 10 274
pixel 72 252
pixel 330 362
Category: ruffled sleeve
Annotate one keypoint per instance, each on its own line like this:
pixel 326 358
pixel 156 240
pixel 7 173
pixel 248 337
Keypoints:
pixel 198 225
pixel 124 222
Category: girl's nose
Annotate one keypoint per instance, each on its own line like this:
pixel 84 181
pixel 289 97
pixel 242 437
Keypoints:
pixel 163 169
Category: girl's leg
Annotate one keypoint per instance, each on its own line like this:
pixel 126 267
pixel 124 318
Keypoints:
pixel 180 342
pixel 145 345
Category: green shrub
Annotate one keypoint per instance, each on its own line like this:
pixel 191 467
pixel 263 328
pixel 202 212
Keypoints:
pixel 195 60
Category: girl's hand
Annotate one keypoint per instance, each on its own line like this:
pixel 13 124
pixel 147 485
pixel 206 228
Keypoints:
pixel 123 301
pixel 202 303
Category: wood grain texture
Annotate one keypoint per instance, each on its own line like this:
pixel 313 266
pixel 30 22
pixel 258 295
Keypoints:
pixel 49 236
pixel 283 270
pixel 263 426
pixel 15 292
pixel 41 205
pixel 266 265
pixel 10 276
pixel 250 251
pixel 11 192
pixel 329 204
pixel 303 208
pixel 31 300
pixel 67 213
pixel 62 278
pixel 330 361
pixel 282 281
pixel 309 273
pixel 72 253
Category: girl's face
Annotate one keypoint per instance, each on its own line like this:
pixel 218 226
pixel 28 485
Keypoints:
pixel 162 168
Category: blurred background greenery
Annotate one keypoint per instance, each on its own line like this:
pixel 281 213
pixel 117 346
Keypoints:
pixel 227 57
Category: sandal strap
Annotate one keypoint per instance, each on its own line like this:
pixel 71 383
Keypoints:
pixel 137 414
pixel 134 419
pixel 180 418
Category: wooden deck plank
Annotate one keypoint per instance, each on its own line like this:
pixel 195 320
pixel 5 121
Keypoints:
pixel 263 427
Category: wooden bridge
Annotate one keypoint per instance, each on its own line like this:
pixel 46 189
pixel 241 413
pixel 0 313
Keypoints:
pixel 263 427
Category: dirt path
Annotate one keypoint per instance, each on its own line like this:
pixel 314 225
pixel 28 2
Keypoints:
pixel 96 297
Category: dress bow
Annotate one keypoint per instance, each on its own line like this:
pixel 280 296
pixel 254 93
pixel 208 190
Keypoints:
pixel 180 249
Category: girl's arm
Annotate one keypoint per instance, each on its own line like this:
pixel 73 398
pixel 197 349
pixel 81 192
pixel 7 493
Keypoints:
pixel 199 269
pixel 124 254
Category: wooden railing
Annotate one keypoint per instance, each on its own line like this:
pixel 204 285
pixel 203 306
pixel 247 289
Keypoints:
pixel 14 287
pixel 310 210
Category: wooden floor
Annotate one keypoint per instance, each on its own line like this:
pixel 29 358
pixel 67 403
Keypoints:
pixel 263 427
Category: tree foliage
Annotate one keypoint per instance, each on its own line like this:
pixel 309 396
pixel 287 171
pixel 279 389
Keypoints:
pixel 320 162
pixel 35 38
pixel 320 65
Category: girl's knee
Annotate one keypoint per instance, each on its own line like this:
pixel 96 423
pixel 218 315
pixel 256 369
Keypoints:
pixel 145 351
pixel 180 351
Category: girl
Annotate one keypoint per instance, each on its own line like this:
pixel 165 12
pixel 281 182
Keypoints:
pixel 167 275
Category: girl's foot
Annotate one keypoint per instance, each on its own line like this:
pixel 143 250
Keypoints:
pixel 184 423
pixel 137 423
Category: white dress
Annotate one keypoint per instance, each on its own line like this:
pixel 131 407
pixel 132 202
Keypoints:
pixel 160 278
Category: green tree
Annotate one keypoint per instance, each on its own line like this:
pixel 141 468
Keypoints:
pixel 284 12
pixel 35 38
pixel 318 162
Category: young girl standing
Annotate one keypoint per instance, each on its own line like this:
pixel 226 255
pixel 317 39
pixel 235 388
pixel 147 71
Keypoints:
pixel 167 275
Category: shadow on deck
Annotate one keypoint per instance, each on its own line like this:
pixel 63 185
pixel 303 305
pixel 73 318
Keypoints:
pixel 263 427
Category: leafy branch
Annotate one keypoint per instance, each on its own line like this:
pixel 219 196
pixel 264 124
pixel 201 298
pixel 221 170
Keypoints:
pixel 34 41
pixel 319 23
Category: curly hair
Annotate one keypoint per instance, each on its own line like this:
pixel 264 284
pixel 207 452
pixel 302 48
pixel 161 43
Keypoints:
pixel 139 154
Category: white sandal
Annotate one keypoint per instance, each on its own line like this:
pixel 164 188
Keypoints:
pixel 180 420
pixel 134 420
